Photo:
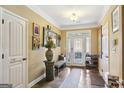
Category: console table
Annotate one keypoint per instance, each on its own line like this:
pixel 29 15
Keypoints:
pixel 50 72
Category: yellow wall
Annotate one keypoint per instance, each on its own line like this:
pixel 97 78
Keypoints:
pixel 63 42
pixel 94 39
pixel 35 66
pixel 115 59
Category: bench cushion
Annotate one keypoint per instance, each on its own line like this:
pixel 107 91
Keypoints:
pixel 59 64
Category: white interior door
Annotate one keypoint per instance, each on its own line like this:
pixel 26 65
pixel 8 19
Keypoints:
pixel 105 56
pixel 0 48
pixel 14 50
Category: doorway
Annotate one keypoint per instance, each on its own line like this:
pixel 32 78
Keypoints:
pixel 13 49
pixel 105 52
pixel 78 45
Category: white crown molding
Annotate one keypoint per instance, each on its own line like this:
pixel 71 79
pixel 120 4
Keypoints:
pixel 64 28
pixel 106 9
pixel 39 11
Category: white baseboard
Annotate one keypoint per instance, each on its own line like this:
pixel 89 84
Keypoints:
pixel 36 81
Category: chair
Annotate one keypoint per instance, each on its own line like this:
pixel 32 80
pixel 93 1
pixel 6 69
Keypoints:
pixel 91 61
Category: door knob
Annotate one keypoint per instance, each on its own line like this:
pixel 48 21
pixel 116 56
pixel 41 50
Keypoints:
pixel 24 59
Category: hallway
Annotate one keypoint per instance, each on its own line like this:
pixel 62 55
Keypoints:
pixel 72 77
pixel 36 39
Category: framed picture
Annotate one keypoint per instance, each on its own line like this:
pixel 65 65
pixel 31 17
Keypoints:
pixel 115 20
pixel 45 36
pixel 58 40
pixel 54 36
pixel 35 42
pixel 36 29
pixel 48 32
pixel 36 37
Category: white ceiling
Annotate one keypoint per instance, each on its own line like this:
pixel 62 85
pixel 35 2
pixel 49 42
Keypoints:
pixel 59 15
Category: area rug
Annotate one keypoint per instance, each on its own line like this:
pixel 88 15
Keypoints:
pixel 96 79
pixel 72 80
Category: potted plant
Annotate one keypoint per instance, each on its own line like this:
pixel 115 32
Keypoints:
pixel 49 45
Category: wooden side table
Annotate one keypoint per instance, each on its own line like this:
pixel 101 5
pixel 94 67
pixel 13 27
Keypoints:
pixel 50 72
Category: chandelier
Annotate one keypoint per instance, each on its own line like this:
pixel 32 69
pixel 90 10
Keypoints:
pixel 74 17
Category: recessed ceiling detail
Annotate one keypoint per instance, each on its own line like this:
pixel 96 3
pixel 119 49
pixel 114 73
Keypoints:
pixel 60 15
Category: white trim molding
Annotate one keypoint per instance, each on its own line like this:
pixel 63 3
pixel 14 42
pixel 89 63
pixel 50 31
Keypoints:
pixel 73 27
pixel 14 14
pixel 1 76
pixel 27 53
pixel 36 81
pixel 37 10
pixel 47 17
pixel 106 9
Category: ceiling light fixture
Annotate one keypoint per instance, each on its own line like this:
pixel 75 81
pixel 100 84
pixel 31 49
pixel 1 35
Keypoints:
pixel 74 17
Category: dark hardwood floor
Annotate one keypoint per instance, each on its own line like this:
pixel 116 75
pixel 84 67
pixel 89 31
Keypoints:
pixel 73 77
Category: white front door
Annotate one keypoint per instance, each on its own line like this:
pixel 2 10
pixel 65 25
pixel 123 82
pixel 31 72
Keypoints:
pixel 105 56
pixel 14 49
pixel 76 48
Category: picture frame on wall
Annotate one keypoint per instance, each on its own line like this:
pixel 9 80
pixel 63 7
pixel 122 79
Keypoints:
pixel 58 40
pixel 35 42
pixel 45 36
pixel 115 20
pixel 36 29
pixel 36 37
pixel 49 32
pixel 53 35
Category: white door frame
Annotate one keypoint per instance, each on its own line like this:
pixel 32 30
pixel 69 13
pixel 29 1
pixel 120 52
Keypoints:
pixel 73 54
pixel 105 59
pixel 67 36
pixel 1 46
pixel 26 42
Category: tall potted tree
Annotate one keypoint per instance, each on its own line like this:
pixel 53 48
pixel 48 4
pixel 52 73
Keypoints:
pixel 49 45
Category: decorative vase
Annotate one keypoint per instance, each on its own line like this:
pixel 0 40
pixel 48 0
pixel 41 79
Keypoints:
pixel 49 54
